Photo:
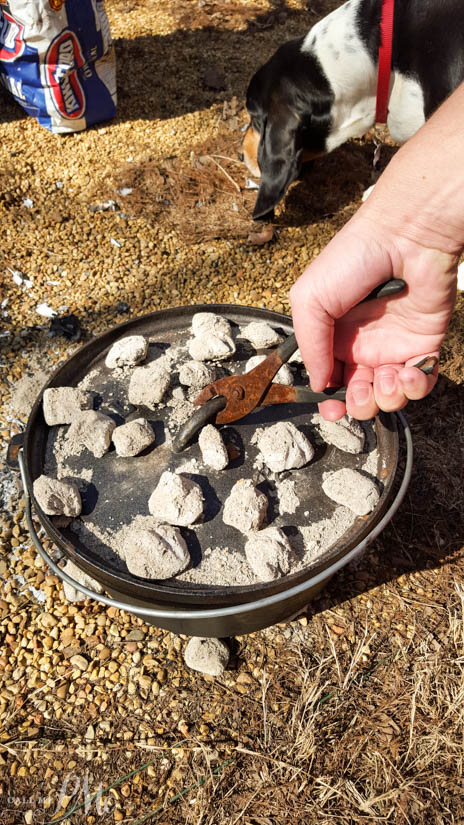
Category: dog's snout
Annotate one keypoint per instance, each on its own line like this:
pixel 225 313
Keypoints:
pixel 249 150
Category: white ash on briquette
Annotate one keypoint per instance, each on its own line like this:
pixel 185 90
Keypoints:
pixel 131 438
pixel 283 446
pixel 213 450
pixel 91 430
pixel 152 550
pixel 127 352
pixel 61 404
pixel 261 335
pixel 346 434
pixel 204 323
pixel 246 507
pixel 269 553
pixel 71 593
pixel 295 358
pixel 196 374
pixel 288 499
pixel 353 489
pixel 57 497
pixel 148 384
pixel 209 656
pixel 210 347
pixel 176 500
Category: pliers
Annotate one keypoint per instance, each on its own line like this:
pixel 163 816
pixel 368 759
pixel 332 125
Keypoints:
pixel 233 397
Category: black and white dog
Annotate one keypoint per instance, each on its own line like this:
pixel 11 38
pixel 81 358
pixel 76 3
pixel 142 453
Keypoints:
pixel 318 91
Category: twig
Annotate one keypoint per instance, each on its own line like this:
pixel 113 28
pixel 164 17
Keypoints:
pixel 224 157
pixel 269 759
pixel 224 172
pixel 246 806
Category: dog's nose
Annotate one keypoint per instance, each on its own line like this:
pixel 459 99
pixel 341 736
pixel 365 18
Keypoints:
pixel 240 156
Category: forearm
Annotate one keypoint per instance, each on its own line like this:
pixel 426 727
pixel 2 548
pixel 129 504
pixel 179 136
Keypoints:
pixel 421 193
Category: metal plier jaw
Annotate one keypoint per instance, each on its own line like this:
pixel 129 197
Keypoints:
pixel 232 398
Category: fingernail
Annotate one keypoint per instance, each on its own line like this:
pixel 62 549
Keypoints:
pixel 387 384
pixel 361 394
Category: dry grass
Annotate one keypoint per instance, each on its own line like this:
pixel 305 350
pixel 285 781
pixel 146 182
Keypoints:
pixel 379 746
pixel 201 198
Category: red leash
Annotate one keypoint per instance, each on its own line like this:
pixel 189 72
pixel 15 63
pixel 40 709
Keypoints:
pixel 385 53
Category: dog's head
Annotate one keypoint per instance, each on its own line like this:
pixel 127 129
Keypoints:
pixel 289 101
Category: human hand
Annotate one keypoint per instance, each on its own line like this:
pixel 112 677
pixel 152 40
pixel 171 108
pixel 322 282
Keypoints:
pixel 372 348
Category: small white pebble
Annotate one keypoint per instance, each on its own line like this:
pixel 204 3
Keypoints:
pixel 209 656
pixel 44 310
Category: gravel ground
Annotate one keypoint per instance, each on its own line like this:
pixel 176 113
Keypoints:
pixel 352 712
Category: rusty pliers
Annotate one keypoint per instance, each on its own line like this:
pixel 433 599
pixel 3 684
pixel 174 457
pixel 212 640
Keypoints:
pixel 233 397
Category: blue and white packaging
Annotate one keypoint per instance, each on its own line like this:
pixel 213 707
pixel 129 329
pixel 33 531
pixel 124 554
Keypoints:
pixel 57 59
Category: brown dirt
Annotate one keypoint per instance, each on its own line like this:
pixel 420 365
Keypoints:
pixel 352 713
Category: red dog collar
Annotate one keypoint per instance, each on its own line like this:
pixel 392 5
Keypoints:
pixel 385 53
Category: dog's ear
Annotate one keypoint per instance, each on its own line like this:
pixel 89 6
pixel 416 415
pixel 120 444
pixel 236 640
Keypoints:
pixel 280 156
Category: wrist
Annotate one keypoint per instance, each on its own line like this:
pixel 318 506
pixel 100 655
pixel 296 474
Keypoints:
pixel 420 195
pixel 420 217
pixel 411 254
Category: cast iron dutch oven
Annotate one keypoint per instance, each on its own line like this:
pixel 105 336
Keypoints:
pixel 185 607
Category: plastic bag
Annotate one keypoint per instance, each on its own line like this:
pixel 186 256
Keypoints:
pixel 57 59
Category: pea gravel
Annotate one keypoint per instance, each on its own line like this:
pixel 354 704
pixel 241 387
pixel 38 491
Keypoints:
pixel 91 692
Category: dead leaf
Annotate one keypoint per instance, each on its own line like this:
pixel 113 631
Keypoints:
pixel 264 235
